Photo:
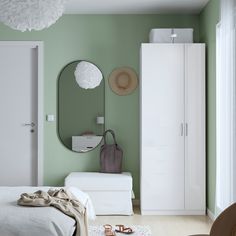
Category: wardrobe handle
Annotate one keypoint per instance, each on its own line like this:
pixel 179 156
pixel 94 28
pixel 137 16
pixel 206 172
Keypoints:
pixel 182 129
pixel 186 129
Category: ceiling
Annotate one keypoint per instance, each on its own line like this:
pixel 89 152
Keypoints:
pixel 134 6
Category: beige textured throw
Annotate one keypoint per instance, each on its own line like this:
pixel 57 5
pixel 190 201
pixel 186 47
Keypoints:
pixel 62 200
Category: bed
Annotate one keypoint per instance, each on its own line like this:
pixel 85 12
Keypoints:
pixel 37 221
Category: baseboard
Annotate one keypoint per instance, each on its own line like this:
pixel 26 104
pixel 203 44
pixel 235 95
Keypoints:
pixel 174 213
pixel 210 215
pixel 136 202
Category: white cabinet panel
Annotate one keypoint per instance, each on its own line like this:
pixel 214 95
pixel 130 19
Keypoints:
pixel 195 121
pixel 163 186
pixel 162 137
pixel 172 128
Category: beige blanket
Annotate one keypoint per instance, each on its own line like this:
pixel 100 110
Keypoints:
pixel 62 200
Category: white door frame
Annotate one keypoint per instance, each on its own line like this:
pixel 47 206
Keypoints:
pixel 39 45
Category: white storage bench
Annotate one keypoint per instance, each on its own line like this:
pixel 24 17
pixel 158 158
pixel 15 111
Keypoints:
pixel 111 194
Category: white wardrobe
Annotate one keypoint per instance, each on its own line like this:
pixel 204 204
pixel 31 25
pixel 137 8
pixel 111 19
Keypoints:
pixel 172 129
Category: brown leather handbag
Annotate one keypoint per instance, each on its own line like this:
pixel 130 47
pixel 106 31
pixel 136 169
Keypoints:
pixel 110 155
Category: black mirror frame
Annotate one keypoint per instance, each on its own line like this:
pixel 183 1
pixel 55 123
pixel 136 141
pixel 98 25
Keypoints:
pixel 57 112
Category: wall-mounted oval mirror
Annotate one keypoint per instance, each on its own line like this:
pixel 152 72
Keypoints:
pixel 81 108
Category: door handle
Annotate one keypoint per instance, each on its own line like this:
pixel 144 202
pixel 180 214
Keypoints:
pixel 182 129
pixel 186 129
pixel 32 124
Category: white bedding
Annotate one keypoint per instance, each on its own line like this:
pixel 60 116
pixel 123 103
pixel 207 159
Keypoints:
pixel 36 221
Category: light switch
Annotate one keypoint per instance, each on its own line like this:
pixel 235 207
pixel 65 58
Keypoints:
pixel 50 118
pixel 100 120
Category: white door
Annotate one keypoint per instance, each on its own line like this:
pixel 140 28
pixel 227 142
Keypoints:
pixel 162 119
pixel 195 127
pixel 18 120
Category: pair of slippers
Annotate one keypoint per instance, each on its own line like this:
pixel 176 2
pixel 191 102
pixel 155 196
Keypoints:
pixel 120 229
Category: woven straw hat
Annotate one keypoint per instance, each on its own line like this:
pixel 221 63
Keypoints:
pixel 123 81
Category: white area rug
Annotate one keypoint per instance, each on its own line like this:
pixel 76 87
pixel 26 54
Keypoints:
pixel 138 231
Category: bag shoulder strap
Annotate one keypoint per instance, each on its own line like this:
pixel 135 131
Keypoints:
pixel 112 133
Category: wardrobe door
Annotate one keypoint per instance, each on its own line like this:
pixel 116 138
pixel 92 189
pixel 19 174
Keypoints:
pixel 162 118
pixel 195 126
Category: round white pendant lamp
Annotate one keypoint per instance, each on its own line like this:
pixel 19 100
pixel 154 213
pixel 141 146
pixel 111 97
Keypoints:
pixel 87 75
pixel 30 14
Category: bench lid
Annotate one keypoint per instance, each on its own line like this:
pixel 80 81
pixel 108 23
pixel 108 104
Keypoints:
pixel 95 181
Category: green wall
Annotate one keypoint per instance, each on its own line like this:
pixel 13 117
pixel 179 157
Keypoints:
pixel 109 41
pixel 209 17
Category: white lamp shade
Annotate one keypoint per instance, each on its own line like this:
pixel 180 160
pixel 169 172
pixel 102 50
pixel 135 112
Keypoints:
pixel 30 14
pixel 87 75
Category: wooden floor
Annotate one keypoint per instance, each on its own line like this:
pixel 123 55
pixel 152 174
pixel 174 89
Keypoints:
pixel 162 225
